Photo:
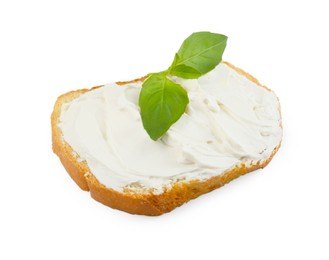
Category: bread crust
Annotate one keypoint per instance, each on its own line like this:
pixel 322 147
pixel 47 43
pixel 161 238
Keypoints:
pixel 147 203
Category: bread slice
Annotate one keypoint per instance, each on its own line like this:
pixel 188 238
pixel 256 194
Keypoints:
pixel 144 203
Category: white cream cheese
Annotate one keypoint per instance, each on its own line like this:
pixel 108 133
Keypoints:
pixel 229 120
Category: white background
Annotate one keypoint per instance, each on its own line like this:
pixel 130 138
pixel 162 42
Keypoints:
pixel 51 47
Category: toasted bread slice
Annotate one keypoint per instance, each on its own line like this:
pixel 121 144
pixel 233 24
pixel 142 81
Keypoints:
pixel 144 203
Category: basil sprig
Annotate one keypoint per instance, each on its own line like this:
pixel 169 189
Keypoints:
pixel 162 101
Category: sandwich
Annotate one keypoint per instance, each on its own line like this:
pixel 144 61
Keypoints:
pixel 149 145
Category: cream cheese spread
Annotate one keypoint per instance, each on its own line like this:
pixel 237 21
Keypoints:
pixel 229 120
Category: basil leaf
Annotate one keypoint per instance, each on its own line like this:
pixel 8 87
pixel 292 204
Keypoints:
pixel 162 102
pixel 199 54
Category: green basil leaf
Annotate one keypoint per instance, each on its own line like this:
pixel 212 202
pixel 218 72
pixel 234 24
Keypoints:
pixel 199 54
pixel 162 102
